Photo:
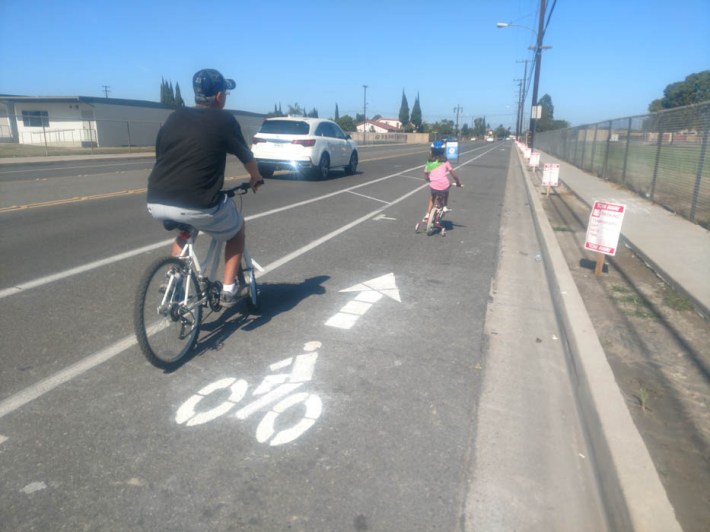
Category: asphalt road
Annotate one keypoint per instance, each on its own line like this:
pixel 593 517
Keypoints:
pixel 382 429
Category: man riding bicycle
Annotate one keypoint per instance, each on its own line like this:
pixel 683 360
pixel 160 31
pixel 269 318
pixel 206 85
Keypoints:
pixel 190 157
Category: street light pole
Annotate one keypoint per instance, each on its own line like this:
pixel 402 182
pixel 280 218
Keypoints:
pixel 364 112
pixel 458 109
pixel 521 106
pixel 535 114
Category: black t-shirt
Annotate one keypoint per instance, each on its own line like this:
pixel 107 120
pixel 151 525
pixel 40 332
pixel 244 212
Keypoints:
pixel 190 156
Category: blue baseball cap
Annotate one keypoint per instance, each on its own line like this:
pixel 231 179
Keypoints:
pixel 208 82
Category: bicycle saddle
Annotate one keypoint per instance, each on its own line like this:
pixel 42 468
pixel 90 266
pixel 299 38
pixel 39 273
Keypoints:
pixel 172 224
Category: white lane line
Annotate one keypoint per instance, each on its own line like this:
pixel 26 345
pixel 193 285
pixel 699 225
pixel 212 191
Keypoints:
pixel 13 290
pixel 30 393
pixel 40 388
pixel 80 269
pixel 116 258
pixel 369 197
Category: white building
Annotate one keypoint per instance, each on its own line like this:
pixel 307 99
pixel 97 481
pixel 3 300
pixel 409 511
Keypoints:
pixel 379 126
pixel 84 121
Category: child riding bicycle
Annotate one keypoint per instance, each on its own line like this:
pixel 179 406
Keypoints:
pixel 436 173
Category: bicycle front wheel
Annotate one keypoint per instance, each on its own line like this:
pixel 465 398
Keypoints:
pixel 167 312
pixel 248 278
pixel 432 221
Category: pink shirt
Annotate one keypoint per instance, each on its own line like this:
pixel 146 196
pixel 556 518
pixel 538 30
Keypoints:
pixel 438 179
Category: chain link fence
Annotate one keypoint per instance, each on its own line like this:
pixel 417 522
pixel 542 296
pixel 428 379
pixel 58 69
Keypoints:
pixel 661 156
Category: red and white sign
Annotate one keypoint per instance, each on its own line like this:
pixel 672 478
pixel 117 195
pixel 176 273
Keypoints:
pixel 604 227
pixel 535 159
pixel 550 175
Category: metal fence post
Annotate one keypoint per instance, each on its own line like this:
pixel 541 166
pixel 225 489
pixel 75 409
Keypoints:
pixel 658 155
pixel 594 148
pixel 626 152
pixel 608 148
pixel 699 173
pixel 44 135
pixel 128 128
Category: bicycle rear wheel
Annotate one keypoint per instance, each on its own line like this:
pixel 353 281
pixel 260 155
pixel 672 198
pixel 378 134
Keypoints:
pixel 247 278
pixel 166 323
pixel 432 221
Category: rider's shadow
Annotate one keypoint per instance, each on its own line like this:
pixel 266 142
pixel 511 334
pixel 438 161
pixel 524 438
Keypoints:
pixel 449 225
pixel 274 298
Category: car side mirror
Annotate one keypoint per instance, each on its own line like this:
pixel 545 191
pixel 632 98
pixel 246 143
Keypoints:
pixel 348 136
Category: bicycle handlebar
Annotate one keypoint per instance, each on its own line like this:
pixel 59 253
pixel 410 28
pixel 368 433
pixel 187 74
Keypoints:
pixel 240 189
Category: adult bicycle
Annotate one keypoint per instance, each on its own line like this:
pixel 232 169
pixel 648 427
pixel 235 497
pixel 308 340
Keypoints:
pixel 174 290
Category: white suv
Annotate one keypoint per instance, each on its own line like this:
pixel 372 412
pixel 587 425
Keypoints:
pixel 310 145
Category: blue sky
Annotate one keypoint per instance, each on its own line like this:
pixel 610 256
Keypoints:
pixel 609 58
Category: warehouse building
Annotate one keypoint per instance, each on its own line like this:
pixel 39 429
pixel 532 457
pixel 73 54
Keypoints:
pixel 85 121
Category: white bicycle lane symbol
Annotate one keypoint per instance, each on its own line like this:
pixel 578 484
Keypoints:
pixel 275 392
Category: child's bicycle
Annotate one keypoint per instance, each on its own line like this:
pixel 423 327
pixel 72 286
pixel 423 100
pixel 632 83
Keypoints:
pixel 173 291
pixel 436 215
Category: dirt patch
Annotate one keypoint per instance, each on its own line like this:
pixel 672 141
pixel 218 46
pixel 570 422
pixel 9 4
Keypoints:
pixel 659 351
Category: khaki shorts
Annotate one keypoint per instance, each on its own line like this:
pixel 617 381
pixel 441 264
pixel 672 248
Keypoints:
pixel 221 222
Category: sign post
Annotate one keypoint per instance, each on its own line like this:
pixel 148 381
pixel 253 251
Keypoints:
pixel 603 231
pixel 535 159
pixel 550 176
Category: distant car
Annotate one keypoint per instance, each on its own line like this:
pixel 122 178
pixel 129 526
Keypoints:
pixel 309 145
pixel 490 138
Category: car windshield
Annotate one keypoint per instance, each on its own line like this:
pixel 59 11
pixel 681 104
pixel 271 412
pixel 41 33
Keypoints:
pixel 285 127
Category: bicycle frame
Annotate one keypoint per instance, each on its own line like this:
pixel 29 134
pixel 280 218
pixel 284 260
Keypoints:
pixel 189 255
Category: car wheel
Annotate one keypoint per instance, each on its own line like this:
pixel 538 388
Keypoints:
pixel 352 167
pixel 266 170
pixel 323 168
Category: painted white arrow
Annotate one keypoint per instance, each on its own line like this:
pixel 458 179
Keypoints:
pixel 369 293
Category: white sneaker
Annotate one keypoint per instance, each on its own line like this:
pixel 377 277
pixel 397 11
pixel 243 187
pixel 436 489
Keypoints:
pixel 446 209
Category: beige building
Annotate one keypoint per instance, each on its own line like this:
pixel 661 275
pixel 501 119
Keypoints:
pixel 84 121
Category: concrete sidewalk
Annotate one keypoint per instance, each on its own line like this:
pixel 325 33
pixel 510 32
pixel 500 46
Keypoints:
pixel 675 248
pixel 633 494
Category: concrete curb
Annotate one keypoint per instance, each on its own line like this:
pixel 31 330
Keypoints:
pixel 631 489
pixel 62 158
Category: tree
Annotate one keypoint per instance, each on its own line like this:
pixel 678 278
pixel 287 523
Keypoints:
pixel 501 132
pixel 167 93
pixel 295 110
pixel 479 127
pixel 416 117
pixel 548 122
pixel 465 131
pixel 275 113
pixel 347 123
pixel 444 127
pixel 179 102
pixel 404 111
pixel 313 113
pixel 694 89
pixel 337 114
pixel 171 95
